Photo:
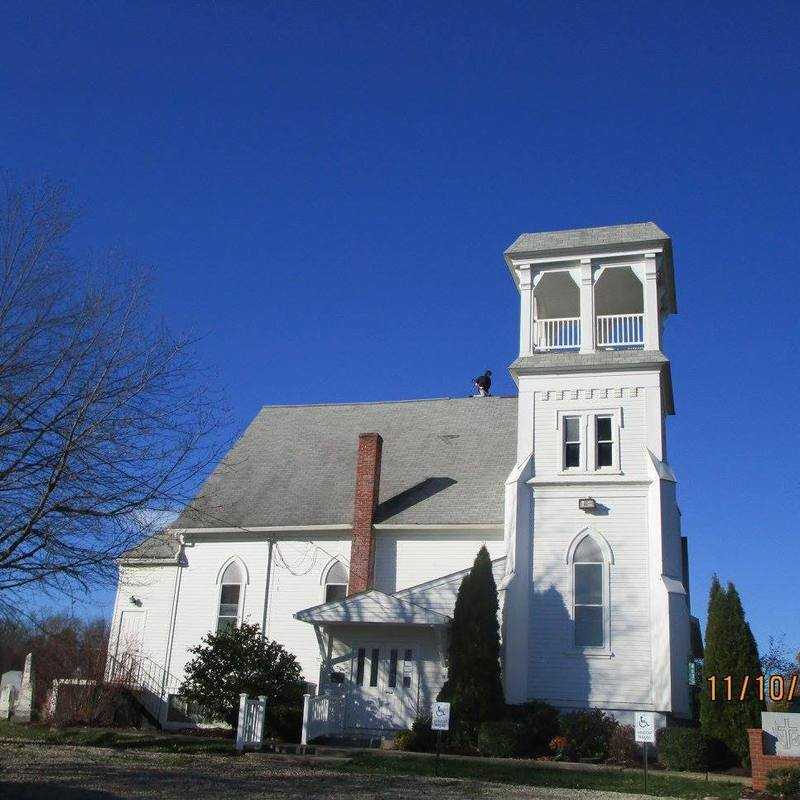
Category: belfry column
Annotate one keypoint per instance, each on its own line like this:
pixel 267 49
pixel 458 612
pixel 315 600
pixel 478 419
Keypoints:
pixel 652 332
pixel 586 286
pixel 526 335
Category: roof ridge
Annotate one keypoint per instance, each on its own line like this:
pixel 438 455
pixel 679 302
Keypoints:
pixel 597 236
pixel 590 228
pixel 389 402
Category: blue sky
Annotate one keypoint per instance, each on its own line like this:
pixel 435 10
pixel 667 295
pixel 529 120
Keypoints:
pixel 327 188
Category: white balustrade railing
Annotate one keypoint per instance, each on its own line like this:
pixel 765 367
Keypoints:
pixel 558 334
pixel 620 330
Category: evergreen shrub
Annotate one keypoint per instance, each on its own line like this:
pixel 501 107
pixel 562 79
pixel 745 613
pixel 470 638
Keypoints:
pixel 589 733
pixel 499 738
pixel 683 749
pixel 784 782
pixel 420 739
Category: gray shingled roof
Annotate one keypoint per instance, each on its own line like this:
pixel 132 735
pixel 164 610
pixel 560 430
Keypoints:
pixel 444 461
pixel 162 546
pixel 578 238
pixel 548 361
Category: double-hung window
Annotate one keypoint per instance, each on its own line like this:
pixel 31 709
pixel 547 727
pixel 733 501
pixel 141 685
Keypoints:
pixel 230 597
pixel 590 600
pixel 335 583
pixel 604 442
pixel 572 442
pixel 590 440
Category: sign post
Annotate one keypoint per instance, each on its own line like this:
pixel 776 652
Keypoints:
pixel 440 721
pixel 645 733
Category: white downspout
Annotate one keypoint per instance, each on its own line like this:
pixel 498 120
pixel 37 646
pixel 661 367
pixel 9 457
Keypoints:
pixel 267 582
pixel 173 616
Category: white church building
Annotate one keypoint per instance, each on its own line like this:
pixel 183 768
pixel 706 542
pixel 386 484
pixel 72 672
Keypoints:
pixel 344 530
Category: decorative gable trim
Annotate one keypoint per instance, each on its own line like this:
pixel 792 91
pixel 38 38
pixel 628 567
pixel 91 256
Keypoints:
pixel 614 393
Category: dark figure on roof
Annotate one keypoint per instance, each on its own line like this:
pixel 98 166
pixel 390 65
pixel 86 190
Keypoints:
pixel 483 383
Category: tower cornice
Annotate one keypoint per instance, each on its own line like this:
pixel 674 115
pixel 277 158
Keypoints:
pixel 596 363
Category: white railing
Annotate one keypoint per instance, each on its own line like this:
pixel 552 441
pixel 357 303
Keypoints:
pixel 620 330
pixel 558 334
pixel 322 715
pixel 148 679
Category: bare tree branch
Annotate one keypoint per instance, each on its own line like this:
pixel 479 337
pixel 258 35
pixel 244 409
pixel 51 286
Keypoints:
pixel 104 422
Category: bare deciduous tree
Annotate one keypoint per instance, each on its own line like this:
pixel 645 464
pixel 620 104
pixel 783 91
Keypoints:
pixel 103 422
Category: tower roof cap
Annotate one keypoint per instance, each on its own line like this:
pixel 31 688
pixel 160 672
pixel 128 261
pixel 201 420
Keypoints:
pixel 577 239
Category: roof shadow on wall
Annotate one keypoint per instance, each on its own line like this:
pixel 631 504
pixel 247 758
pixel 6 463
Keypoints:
pixel 410 497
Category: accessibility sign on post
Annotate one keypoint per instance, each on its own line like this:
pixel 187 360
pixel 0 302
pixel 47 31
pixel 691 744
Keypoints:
pixel 440 717
pixel 645 727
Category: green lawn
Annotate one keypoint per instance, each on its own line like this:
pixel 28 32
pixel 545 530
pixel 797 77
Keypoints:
pixel 522 774
pixel 512 772
pixel 118 738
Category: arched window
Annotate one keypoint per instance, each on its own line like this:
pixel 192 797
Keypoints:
pixel 590 583
pixel 336 583
pixel 230 597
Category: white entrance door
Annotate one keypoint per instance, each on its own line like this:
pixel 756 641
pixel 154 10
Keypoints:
pixel 130 638
pixel 401 688
pixel 383 687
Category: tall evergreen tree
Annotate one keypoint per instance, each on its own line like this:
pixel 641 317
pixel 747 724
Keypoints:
pixel 745 714
pixel 711 716
pixel 474 685
pixel 730 651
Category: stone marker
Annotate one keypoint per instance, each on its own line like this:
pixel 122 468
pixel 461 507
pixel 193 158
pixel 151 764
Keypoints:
pixel 23 709
pixel 781 733
pixel 8 695
pixel 12 677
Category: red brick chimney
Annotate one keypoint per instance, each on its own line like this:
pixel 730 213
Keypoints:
pixel 368 479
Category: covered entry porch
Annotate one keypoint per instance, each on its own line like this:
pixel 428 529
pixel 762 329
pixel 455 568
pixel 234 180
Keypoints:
pixel 382 659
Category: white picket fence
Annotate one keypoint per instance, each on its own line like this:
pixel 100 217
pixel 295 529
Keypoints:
pixel 250 730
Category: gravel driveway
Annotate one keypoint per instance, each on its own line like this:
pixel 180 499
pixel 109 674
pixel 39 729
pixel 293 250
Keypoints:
pixel 30 771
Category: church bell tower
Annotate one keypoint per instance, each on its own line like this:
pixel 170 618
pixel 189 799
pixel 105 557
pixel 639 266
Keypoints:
pixel 596 599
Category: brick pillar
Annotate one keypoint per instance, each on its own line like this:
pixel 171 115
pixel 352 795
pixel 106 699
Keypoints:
pixel 758 768
pixel 368 479
pixel 761 764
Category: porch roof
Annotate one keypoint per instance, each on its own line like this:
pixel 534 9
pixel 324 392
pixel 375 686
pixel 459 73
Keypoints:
pixel 370 608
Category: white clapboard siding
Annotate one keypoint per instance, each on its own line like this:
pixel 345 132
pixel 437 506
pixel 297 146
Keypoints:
pixel 150 590
pixel 671 531
pixel 633 432
pixel 680 646
pixel 198 599
pixel 440 594
pixel 558 673
pixel 404 558
pixel 296 582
